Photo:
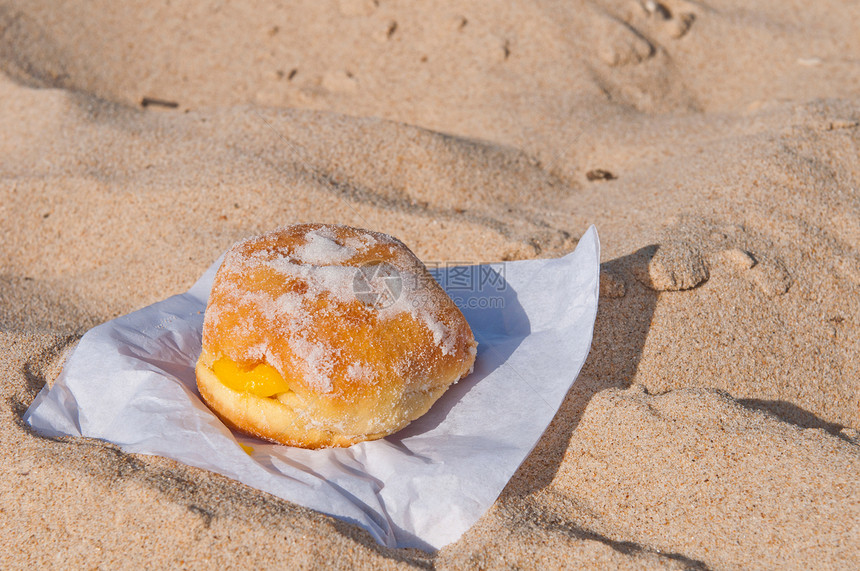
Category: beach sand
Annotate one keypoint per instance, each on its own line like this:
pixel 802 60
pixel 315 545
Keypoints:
pixel 715 145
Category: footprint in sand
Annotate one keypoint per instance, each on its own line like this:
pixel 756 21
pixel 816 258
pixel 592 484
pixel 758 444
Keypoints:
pixel 736 259
pixel 619 44
pixel 771 277
pixel 692 247
pixel 769 274
pixel 671 266
pixel 673 22
pixel 631 67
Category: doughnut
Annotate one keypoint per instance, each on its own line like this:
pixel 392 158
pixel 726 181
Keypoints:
pixel 320 335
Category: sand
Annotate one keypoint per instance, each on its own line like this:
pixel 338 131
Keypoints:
pixel 716 146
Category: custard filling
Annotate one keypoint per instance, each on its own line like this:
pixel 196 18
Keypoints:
pixel 261 380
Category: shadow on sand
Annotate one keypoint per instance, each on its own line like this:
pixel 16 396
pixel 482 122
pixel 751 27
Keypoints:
pixel 620 330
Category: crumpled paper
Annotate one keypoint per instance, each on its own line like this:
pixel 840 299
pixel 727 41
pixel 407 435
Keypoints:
pixel 131 382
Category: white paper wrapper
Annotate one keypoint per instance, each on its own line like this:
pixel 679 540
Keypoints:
pixel 131 381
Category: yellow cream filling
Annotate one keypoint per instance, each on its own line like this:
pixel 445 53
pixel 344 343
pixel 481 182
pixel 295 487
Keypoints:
pixel 261 380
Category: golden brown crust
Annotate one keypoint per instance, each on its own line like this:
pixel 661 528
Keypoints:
pixel 359 367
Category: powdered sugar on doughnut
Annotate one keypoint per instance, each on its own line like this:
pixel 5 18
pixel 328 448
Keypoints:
pixel 359 371
pixel 318 360
pixel 441 334
pixel 335 280
pixel 360 243
pixel 321 250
